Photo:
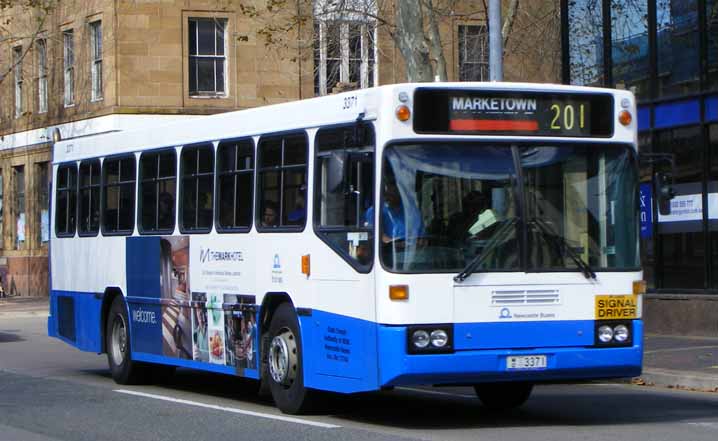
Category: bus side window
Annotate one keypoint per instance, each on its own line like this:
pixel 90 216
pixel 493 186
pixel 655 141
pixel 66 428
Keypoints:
pixel 197 188
pixel 158 178
pixel 118 203
pixel 66 200
pixel 344 192
pixel 282 192
pixel 89 222
pixel 235 178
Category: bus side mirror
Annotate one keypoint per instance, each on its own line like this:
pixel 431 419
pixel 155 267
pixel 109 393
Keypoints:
pixel 664 188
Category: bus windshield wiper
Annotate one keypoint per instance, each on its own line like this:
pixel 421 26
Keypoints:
pixel 562 243
pixel 496 240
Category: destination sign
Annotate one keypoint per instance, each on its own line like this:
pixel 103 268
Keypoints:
pixel 512 113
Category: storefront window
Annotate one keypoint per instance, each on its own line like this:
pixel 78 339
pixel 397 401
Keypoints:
pixel 712 28
pixel 678 46
pixel 585 18
pixel 629 39
pixel 647 222
pixel 713 203
pixel 681 240
pixel 20 207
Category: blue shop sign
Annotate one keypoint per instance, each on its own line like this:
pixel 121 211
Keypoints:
pixel 646 212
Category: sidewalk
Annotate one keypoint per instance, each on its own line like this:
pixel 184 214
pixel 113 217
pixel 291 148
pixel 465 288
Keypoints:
pixel 20 307
pixel 680 362
pixel 668 360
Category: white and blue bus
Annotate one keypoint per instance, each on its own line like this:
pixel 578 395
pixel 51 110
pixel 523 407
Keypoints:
pixel 446 233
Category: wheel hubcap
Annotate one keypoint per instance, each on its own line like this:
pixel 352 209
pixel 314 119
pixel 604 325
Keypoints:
pixel 283 357
pixel 119 340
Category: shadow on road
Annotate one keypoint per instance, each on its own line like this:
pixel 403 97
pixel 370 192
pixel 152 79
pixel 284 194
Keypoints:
pixel 10 335
pixel 551 405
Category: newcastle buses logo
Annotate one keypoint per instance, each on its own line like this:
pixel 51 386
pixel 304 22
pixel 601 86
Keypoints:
pixel 209 255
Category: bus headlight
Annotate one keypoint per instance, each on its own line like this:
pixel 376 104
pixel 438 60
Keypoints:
pixel 430 339
pixel 420 339
pixel 439 338
pixel 605 334
pixel 620 333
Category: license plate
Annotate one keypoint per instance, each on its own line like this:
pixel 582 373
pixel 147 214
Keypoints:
pixel 526 362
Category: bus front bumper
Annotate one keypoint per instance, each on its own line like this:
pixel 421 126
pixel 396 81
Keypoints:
pixel 397 367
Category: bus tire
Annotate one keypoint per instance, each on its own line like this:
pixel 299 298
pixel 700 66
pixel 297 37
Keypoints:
pixel 284 362
pixel 503 396
pixel 117 340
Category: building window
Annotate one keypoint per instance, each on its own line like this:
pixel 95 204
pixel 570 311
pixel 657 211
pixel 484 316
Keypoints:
pixel 585 44
pixel 197 188
pixel 19 175
pixel 96 59
pixel 118 214
pixel 158 181
pixel 17 69
pixel 282 168
pixel 43 201
pixel 235 165
pixel 66 200
pixel 2 224
pixel 41 50
pixel 473 53
pixel 69 67
pixel 344 44
pixel 207 60
pixel 89 197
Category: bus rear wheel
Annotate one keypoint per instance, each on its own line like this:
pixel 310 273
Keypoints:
pixel 117 340
pixel 503 396
pixel 284 361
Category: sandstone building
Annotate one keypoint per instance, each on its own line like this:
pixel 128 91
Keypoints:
pixel 80 68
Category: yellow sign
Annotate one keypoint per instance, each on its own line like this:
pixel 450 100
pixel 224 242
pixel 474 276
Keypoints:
pixel 616 307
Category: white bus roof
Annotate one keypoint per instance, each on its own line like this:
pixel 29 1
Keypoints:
pixel 369 104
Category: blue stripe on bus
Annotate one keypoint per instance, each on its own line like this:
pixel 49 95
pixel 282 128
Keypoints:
pixel 192 364
pixel 87 319
pixel 523 334
pixel 474 366
pixel 142 261
pixel 340 352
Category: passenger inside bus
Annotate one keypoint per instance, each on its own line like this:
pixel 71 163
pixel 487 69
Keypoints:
pixel 269 214
pixel 299 213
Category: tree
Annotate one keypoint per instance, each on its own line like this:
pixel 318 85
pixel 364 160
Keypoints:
pixel 21 22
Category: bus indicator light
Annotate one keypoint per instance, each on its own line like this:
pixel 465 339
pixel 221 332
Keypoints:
pixel 399 292
pixel 306 265
pixel 624 117
pixel 639 287
pixel 403 113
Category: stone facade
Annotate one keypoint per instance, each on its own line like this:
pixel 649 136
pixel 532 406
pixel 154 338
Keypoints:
pixel 145 73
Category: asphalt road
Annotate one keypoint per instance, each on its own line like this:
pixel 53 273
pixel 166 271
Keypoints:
pixel 50 391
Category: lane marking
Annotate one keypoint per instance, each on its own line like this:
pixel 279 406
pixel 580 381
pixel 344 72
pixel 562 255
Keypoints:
pixel 436 392
pixel 230 409
pixel 687 348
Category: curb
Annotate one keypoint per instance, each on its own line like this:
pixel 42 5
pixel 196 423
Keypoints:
pixel 680 379
pixel 24 314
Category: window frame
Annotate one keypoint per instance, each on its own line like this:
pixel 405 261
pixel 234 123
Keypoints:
pixel 71 191
pixel 96 84
pixel 80 188
pixel 180 193
pixel 217 194
pixel 155 180
pixel 462 34
pixel 42 75
pixel 103 196
pixel 318 229
pixel 259 191
pixel 68 65
pixel 193 90
pixel 17 59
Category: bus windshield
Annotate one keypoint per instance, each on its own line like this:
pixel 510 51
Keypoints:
pixel 538 207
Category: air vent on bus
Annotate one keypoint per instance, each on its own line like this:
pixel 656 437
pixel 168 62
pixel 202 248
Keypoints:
pixel 66 315
pixel 525 297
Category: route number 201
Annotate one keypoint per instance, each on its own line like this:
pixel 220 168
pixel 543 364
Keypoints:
pixel 566 117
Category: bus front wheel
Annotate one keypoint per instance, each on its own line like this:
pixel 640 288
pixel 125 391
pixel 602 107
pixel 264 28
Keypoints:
pixel 117 339
pixel 503 396
pixel 284 362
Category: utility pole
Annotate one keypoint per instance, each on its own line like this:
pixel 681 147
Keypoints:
pixel 496 44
